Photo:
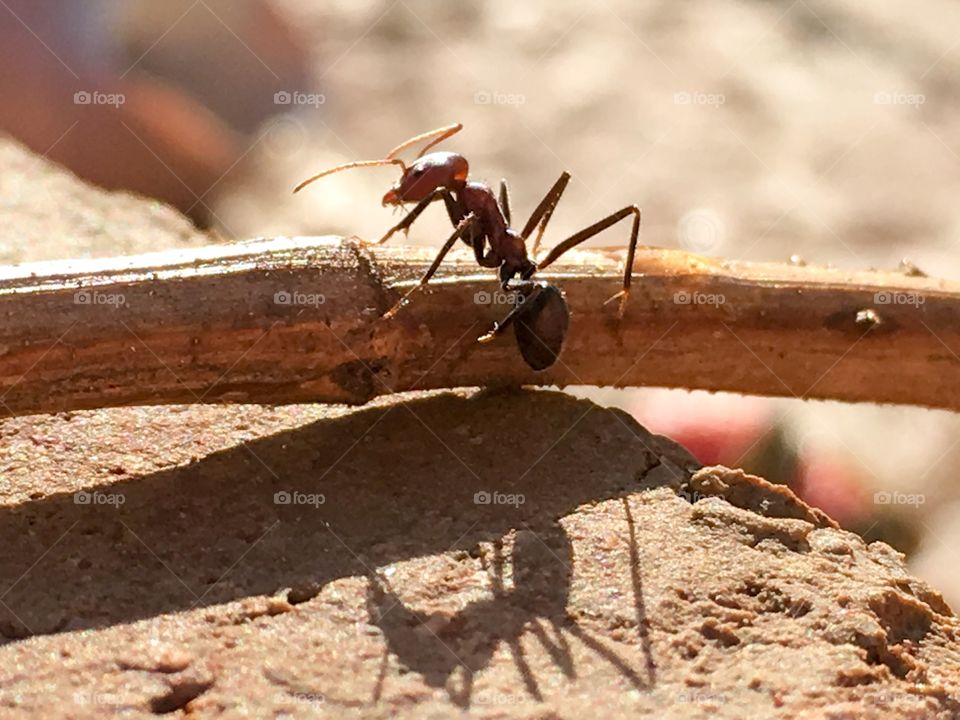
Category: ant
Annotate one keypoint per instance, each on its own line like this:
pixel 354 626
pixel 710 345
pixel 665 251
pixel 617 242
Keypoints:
pixel 540 315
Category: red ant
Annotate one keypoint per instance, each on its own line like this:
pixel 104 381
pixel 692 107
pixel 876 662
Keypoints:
pixel 540 315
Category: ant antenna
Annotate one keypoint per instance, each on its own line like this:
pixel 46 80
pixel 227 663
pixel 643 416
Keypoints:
pixel 441 134
pixel 347 166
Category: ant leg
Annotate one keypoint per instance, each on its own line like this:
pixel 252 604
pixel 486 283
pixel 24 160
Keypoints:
pixel 544 211
pixel 453 210
pixel 505 200
pixel 439 135
pixel 488 259
pixel 599 227
pixel 528 290
pixel 467 224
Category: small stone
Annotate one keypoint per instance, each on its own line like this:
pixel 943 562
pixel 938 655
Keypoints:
pixel 173 660
pixel 278 605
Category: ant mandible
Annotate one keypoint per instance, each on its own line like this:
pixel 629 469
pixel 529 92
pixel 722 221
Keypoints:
pixel 540 315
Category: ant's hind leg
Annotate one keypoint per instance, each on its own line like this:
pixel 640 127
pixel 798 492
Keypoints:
pixel 594 229
pixel 505 201
pixel 453 210
pixel 464 226
pixel 544 211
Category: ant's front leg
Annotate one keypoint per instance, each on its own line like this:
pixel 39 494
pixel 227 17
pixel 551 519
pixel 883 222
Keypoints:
pixel 594 229
pixel 464 226
pixel 453 210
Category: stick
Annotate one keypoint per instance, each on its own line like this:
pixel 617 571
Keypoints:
pixel 298 320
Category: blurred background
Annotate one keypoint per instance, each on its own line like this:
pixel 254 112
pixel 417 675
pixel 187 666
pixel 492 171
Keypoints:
pixel 745 129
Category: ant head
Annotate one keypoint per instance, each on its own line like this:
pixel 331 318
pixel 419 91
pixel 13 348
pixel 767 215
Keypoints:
pixel 439 169
pixel 541 325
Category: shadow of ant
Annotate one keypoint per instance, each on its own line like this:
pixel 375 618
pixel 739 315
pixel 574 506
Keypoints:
pixel 541 575
pixel 213 531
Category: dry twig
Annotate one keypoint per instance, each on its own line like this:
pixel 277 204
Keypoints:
pixel 210 325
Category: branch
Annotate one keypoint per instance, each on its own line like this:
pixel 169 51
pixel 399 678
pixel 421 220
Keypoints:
pixel 210 325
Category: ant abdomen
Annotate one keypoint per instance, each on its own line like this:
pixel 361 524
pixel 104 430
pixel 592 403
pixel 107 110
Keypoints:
pixel 541 326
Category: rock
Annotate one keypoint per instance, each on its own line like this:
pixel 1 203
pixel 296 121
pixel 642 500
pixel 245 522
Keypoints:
pixel 627 582
pixel 49 214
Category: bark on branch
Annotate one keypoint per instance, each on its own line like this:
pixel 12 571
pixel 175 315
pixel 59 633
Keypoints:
pixel 298 320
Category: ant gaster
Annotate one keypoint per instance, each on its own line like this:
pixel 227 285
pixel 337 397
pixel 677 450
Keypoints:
pixel 540 315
